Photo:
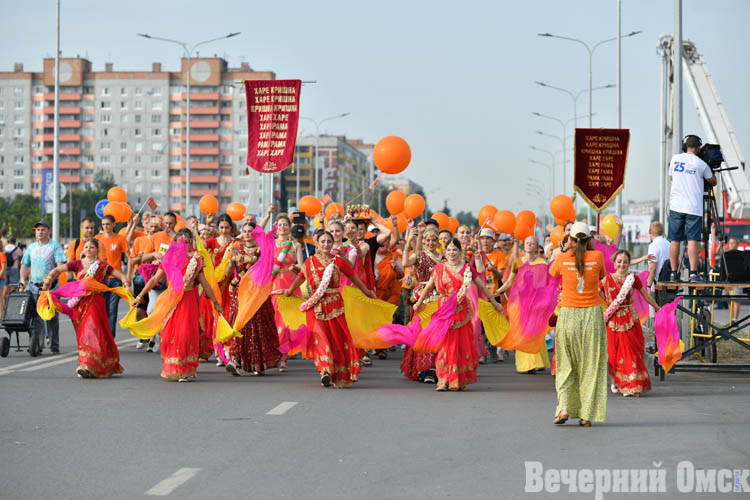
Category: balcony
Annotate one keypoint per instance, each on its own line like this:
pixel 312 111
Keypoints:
pixel 193 192
pixel 69 124
pixel 195 164
pixel 68 150
pixel 200 137
pixel 208 110
pixel 64 110
pixel 64 96
pixel 202 151
pixel 195 96
pixel 63 164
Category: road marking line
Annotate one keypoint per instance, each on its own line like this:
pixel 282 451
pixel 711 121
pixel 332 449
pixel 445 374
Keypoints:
pixel 282 408
pixel 47 362
pixel 171 483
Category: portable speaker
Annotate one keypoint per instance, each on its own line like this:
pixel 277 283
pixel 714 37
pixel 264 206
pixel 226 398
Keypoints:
pixel 19 310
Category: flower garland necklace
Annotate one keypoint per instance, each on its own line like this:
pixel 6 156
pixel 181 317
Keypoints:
pixel 624 290
pixel 281 257
pixel 324 282
pixel 190 269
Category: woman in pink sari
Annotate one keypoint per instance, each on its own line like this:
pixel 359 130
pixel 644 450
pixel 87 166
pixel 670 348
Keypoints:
pixel 98 356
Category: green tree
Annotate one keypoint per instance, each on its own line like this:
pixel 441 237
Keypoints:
pixel 19 214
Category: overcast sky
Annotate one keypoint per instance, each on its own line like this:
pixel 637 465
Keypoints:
pixel 455 79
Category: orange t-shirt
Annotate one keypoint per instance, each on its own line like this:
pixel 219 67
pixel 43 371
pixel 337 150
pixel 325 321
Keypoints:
pixel 161 241
pixel 114 247
pixel 497 259
pixel 137 233
pixel 141 244
pixel 73 253
pixel 565 266
pixel 3 260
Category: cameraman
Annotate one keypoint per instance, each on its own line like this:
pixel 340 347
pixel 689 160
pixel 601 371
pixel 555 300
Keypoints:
pixel 687 173
pixel 299 233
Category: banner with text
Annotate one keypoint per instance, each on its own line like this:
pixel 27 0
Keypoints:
pixel 272 115
pixel 600 159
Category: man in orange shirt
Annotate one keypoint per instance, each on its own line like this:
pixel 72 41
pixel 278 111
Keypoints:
pixel 114 246
pixel 75 248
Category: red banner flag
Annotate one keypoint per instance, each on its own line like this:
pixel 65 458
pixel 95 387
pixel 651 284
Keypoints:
pixel 600 159
pixel 151 203
pixel 272 115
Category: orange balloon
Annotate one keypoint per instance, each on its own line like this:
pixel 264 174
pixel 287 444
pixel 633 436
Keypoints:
pixel 556 235
pixel 505 221
pixel 560 221
pixel 310 205
pixel 486 212
pixel 394 202
pixel 522 231
pixel 236 210
pixel 527 217
pixel 208 204
pixel 119 210
pixel 572 215
pixel 387 223
pixel 391 155
pixel 334 209
pixel 561 206
pixel 441 219
pixel 452 224
pixel 402 223
pixel 117 193
pixel 413 206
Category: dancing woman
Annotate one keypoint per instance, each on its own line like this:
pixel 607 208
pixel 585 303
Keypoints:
pixel 580 335
pixel 415 365
pixel 527 362
pixel 624 334
pixel 457 359
pixel 180 334
pixel 258 348
pixel 98 356
pixel 332 347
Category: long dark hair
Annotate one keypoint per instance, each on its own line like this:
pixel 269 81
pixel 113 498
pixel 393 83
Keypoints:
pixel 580 245
pixel 228 219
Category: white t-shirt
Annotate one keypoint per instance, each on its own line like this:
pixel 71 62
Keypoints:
pixel 659 248
pixel 687 172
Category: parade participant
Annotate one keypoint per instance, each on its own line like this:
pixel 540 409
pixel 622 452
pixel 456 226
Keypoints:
pixel 389 271
pixel 341 246
pixel 491 271
pixel 415 365
pixel 13 255
pixel 332 347
pixel 205 232
pixel 75 249
pixel 180 334
pixel 659 248
pixel 688 174
pixel 444 236
pixel 98 356
pixel 580 335
pixel 526 362
pixel 360 214
pixel 38 260
pixel 288 263
pixel 114 246
pixel 258 348
pixel 457 360
pixel 218 245
pixel 142 246
pixel 624 334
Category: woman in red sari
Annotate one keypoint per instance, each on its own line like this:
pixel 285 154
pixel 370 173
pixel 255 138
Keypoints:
pixel 415 365
pixel 332 346
pixel 180 335
pixel 98 356
pixel 457 359
pixel 624 334
pixel 258 348
pixel 216 247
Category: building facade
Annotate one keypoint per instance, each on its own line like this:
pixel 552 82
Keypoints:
pixel 133 125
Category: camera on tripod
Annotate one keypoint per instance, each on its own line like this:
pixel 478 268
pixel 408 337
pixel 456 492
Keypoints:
pixel 711 154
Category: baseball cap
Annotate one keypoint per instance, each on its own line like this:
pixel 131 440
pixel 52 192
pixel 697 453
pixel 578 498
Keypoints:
pixel 592 229
pixel 372 227
pixel 503 237
pixel 41 223
pixel 580 228
pixel 487 232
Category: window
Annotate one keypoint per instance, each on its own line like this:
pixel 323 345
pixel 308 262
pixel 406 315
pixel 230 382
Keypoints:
pixel 139 146
pixel 155 118
pixel 18 186
pixel 18 173
pixel 225 144
pixel 105 145
pixel 138 118
pixel 158 147
pixel 18 119
pixel 138 159
pixel 105 91
pixel 17 132
pixel 123 160
pixel 123 104
pixel 156 188
pixel 38 104
pixel 156 105
pixel 106 105
pixel 138 105
pixel 105 118
pixel 123 91
pixel 123 173
pixel 138 91
pixel 156 91
pixel 226 159
pixel 35 186
pixel 104 159
pixel 1 131
pixel 18 91
pixel 18 159
pixel 124 118
pixel 105 131
pixel 137 132
pixel 156 173
pixel 123 146
pixel 18 144
pixel 123 132
pixel 136 173
pixel 156 132
pixel 138 189
pixel 18 105
pixel 155 159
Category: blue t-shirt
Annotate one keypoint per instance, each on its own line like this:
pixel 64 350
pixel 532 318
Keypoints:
pixel 42 259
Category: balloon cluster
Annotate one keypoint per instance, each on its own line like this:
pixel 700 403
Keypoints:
pixel 117 205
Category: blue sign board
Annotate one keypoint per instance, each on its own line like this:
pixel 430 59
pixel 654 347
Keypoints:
pixel 47 179
pixel 100 208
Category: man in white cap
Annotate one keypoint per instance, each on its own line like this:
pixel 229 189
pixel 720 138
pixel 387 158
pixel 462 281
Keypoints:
pixel 494 262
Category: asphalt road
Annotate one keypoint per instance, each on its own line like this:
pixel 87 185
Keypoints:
pixel 136 435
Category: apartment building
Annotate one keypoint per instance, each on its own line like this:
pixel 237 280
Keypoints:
pixel 132 124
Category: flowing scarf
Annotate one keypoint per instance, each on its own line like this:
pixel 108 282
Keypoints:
pixel 321 290
pixel 640 304
pixel 607 251
pixel 667 335
pixel 49 301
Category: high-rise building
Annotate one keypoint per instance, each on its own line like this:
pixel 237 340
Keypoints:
pixel 343 171
pixel 132 124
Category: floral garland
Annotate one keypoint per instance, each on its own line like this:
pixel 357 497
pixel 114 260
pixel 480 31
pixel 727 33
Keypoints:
pixel 188 277
pixel 282 256
pixel 466 283
pixel 624 290
pixel 324 282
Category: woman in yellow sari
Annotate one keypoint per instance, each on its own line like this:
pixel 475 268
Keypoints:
pixel 526 362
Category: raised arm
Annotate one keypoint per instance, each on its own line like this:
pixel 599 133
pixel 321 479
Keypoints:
pixel 267 217
pixel 130 230
pixel 618 237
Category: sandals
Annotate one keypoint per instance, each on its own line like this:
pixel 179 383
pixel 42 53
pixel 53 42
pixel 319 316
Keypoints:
pixel 560 419
pixel 585 423
pixel 325 380
pixel 366 361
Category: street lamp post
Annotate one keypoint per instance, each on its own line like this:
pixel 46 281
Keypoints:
pixel 70 201
pixel 314 190
pixel 551 169
pixel 188 54
pixel 575 97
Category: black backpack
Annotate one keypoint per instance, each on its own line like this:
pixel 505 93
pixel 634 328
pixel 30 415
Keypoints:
pixel 9 257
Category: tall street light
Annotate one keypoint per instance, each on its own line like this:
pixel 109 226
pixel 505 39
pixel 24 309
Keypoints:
pixel 551 169
pixel 575 97
pixel 188 54
pixel 317 124
pixel 590 50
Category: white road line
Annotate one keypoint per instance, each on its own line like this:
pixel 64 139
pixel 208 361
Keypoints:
pixel 171 483
pixel 47 362
pixel 282 408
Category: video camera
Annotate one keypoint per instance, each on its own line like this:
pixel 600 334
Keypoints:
pixel 711 154
pixel 298 227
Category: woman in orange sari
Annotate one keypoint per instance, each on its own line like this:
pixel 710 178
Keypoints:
pixel 98 356
pixel 180 335
pixel 457 360
pixel 332 346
